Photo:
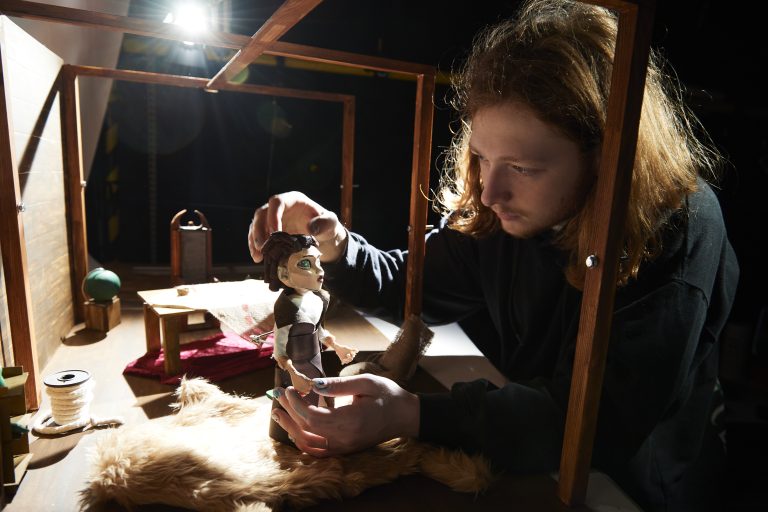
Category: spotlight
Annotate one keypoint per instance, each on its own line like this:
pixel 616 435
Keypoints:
pixel 190 16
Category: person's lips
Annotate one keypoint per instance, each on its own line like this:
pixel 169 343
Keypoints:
pixel 508 215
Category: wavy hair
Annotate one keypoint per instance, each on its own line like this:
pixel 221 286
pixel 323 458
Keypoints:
pixel 277 249
pixel 556 56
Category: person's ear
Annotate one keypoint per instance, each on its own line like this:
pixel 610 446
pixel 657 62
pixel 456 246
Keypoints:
pixel 283 275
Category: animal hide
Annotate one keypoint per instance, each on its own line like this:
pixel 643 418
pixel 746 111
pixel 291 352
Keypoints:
pixel 214 454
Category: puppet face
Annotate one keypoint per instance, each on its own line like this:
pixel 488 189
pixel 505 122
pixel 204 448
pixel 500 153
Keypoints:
pixel 533 177
pixel 302 271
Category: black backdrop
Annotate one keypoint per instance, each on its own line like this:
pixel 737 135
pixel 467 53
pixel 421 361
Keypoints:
pixel 226 153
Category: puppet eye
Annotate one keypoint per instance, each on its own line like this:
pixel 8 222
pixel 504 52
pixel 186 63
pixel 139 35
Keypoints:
pixel 304 264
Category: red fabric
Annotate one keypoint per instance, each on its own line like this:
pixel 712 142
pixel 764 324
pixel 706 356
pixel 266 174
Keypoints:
pixel 216 358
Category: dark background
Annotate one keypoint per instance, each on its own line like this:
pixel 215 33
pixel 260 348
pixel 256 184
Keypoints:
pixel 226 153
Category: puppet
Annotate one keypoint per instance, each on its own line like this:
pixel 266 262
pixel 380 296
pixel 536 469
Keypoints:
pixel 292 262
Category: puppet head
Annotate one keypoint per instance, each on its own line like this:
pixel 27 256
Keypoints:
pixel 292 261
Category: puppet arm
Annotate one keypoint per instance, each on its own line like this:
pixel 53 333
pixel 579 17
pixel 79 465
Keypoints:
pixel 301 382
pixel 346 354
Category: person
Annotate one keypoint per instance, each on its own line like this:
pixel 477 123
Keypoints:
pixel 292 263
pixel 508 262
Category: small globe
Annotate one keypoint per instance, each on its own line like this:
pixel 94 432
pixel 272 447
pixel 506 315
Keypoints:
pixel 101 285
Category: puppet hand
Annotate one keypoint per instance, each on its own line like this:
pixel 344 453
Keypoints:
pixel 346 354
pixel 295 213
pixel 301 383
pixel 380 410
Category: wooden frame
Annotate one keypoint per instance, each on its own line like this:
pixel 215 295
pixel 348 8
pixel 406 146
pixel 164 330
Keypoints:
pixel 625 100
pixel 613 185
pixel 73 165
pixel 14 250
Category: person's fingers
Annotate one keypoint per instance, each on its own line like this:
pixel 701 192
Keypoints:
pixel 288 407
pixel 275 214
pixel 311 417
pixel 255 253
pixel 323 227
pixel 257 234
pixel 305 441
pixel 345 386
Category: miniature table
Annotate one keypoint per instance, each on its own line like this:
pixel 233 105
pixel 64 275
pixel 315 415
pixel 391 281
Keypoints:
pixel 243 306
pixel 163 324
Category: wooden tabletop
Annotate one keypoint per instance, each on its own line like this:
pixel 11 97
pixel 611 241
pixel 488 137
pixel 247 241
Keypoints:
pixel 59 466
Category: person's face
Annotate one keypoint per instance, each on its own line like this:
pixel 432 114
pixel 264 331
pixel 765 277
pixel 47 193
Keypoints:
pixel 533 177
pixel 302 270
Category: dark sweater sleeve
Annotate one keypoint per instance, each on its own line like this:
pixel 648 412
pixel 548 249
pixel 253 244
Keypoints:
pixel 659 378
pixel 652 368
pixel 518 427
pixel 374 280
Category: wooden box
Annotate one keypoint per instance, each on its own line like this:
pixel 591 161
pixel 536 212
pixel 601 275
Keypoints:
pixel 14 446
pixel 102 316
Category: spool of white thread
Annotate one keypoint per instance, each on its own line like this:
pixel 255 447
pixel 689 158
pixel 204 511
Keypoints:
pixel 70 393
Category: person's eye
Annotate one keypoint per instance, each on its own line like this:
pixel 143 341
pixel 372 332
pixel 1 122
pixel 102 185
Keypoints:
pixel 525 171
pixel 304 264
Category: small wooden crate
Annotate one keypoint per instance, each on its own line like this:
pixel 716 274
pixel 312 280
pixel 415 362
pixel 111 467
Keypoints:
pixel 102 316
pixel 13 447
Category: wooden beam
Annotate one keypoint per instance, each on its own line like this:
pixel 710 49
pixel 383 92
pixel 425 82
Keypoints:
pixel 355 60
pixel 71 142
pixel 147 77
pixel 117 23
pixel 613 187
pixel 422 151
pixel 347 162
pixel 148 28
pixel 283 19
pixel 14 249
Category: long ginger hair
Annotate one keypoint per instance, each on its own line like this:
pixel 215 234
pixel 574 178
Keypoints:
pixel 556 57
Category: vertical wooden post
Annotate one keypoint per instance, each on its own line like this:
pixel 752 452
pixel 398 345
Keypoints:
pixel 613 186
pixel 422 151
pixel 14 249
pixel 74 184
pixel 347 161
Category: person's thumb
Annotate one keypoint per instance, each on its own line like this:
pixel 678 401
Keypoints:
pixel 323 227
pixel 345 386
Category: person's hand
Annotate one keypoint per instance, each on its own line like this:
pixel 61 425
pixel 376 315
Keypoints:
pixel 380 410
pixel 295 213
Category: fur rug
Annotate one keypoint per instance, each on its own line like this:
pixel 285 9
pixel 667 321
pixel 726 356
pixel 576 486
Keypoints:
pixel 214 454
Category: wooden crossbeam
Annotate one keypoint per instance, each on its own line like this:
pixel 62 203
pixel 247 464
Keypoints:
pixel 285 17
pixel 117 23
pixel 148 28
pixel 148 77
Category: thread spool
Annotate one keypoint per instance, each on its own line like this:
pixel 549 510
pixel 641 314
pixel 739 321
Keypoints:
pixel 70 393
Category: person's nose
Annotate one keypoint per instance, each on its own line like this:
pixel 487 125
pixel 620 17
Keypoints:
pixel 496 188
